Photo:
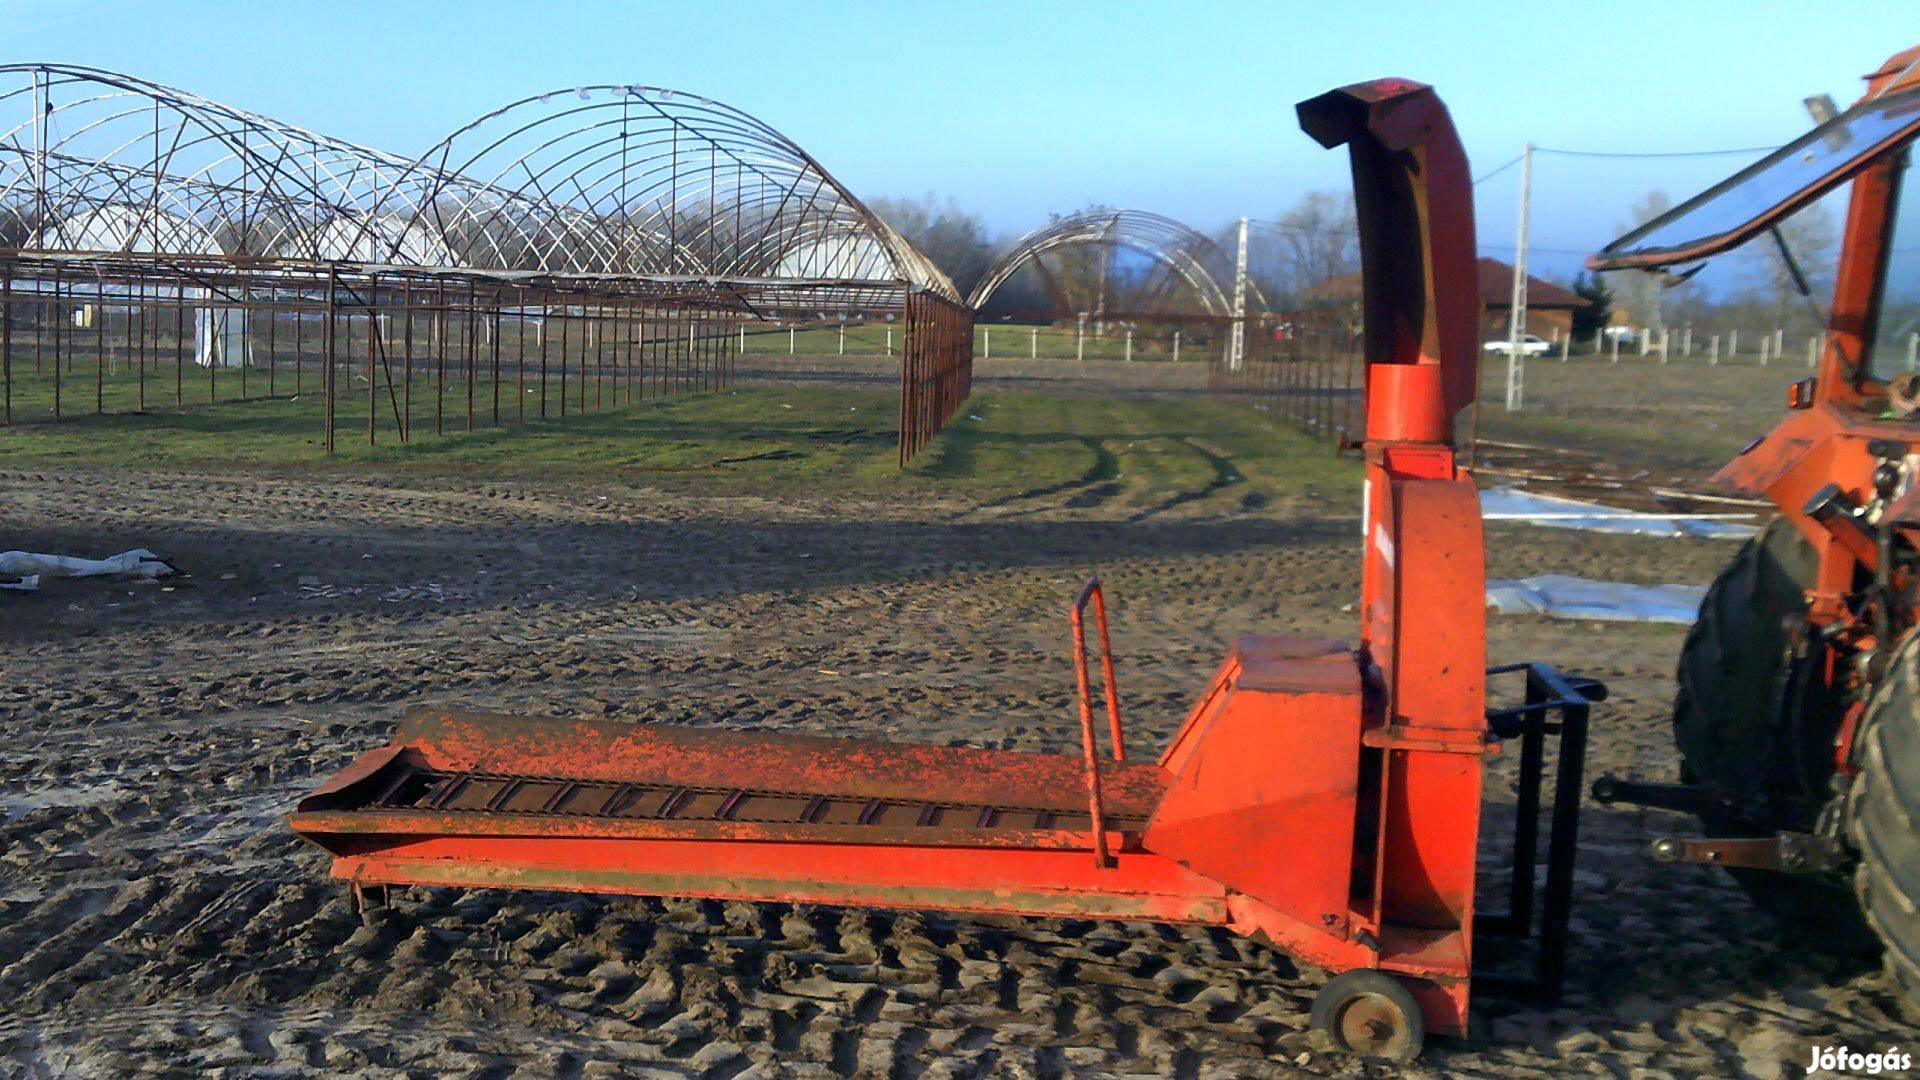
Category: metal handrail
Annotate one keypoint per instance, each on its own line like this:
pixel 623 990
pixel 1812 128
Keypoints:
pixel 1089 750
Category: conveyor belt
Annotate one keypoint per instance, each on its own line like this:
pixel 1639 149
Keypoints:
pixel 437 791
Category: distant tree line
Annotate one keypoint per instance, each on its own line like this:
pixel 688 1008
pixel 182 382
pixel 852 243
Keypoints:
pixel 1287 254
pixel 1315 239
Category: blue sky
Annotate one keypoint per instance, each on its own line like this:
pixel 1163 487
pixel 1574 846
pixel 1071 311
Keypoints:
pixel 1020 109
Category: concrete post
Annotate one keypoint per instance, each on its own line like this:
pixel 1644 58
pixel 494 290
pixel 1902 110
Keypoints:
pixel 1129 343
pixel 1033 343
pixel 1239 353
pixel 1713 351
pixel 1517 302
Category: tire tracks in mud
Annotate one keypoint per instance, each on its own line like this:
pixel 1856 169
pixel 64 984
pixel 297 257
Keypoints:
pixel 155 913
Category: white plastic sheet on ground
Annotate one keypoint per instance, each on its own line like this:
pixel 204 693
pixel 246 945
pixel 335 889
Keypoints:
pixel 29 567
pixel 1514 504
pixel 1562 597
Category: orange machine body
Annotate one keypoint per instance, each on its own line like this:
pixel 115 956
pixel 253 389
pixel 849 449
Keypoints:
pixel 1834 423
pixel 1321 796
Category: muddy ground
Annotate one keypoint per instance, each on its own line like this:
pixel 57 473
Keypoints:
pixel 157 916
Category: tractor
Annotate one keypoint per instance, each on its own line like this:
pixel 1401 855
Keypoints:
pixel 1798 708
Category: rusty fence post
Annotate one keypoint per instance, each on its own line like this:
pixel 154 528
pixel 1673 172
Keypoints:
pixel 437 332
pixel 406 361
pixel 6 335
pixel 493 316
pixel 59 318
pixel 373 340
pixel 273 331
pixel 471 326
pixel 327 373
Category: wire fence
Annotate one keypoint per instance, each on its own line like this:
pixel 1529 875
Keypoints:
pixel 1304 367
pixel 936 372
pixel 392 357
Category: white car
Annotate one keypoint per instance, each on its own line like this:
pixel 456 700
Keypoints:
pixel 1530 345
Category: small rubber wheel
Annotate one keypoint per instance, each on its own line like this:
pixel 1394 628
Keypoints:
pixel 1370 1014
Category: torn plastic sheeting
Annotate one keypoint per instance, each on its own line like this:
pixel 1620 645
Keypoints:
pixel 1513 504
pixel 1562 597
pixel 29 567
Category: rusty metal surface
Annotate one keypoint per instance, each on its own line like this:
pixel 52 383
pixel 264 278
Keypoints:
pixel 395 790
pixel 980 880
pixel 936 368
pixel 676 756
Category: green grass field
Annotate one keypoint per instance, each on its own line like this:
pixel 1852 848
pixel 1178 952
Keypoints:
pixel 765 440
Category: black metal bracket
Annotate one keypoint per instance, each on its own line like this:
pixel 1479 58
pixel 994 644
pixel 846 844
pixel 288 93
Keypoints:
pixel 1560 705
pixel 1700 800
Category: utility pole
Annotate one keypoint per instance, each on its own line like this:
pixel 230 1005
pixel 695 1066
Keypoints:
pixel 1517 324
pixel 1239 345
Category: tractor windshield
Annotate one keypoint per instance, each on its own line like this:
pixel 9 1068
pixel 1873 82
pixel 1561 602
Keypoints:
pixel 1896 337
pixel 1741 207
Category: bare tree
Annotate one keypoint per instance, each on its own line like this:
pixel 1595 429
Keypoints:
pixel 1641 294
pixel 1814 239
pixel 1306 244
pixel 953 238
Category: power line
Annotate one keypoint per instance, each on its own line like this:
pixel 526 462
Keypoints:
pixel 1656 154
pixel 1511 162
pixel 1508 246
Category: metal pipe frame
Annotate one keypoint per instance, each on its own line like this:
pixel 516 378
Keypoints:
pixel 632 202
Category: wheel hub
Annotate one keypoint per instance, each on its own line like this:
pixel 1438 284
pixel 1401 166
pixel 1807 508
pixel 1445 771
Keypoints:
pixel 1369 1025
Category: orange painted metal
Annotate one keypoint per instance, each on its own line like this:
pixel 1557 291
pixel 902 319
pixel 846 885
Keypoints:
pixel 1319 796
pixel 1828 440
pixel 1090 752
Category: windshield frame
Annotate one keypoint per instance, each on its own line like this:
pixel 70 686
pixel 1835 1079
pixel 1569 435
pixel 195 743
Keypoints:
pixel 1620 255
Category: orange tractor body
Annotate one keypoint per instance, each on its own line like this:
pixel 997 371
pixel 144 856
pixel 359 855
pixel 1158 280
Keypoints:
pixel 1796 716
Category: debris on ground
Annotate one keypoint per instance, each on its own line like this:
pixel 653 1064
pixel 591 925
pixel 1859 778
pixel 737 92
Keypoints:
pixel 21 571
pixel 1516 504
pixel 1561 596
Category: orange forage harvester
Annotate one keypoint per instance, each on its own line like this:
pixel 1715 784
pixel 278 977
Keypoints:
pixel 1320 796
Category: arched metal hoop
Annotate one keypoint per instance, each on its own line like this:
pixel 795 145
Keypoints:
pixel 610 181
pixel 1194 276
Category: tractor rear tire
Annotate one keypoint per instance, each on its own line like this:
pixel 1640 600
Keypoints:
pixel 1731 720
pixel 1884 814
